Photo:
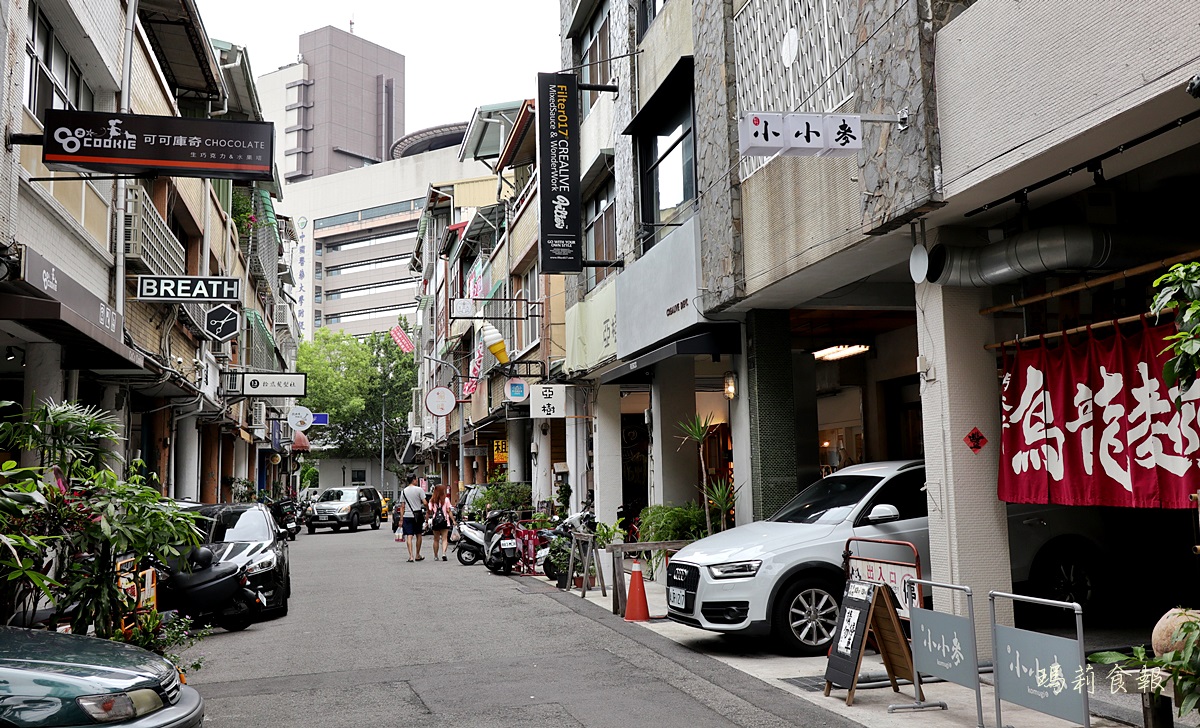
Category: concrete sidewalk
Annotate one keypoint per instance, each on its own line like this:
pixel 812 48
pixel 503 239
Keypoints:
pixel 803 677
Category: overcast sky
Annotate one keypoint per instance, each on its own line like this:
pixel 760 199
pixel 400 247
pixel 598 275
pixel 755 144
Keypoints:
pixel 459 54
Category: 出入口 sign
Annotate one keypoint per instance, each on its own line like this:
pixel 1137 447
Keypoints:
pixel 560 242
pixel 140 144
pixel 197 289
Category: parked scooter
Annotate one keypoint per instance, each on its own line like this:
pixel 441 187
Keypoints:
pixel 500 535
pixel 470 546
pixel 584 521
pixel 209 593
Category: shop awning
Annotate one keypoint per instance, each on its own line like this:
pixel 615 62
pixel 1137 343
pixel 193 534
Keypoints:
pixel 712 343
pixel 410 452
pixel 181 46
pixel 84 344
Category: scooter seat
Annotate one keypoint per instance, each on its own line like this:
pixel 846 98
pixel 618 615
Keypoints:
pixel 476 525
pixel 184 580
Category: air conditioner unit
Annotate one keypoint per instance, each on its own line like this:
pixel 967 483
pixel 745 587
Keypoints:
pixel 258 415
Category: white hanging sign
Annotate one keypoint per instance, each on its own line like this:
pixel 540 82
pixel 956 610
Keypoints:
pixel 548 400
pixel 765 134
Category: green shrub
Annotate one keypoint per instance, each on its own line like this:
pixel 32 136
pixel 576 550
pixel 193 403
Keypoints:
pixel 670 523
pixel 506 496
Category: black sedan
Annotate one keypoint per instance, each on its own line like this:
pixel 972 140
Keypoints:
pixel 53 679
pixel 247 535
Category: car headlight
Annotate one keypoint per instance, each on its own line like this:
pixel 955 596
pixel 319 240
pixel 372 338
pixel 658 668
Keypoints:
pixel 266 563
pixel 119 706
pixel 308 511
pixel 734 569
pixel 344 509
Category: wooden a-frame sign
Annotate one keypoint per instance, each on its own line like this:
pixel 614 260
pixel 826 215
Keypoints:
pixel 867 609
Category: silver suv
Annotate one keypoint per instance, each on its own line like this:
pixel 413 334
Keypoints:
pixel 784 576
pixel 349 507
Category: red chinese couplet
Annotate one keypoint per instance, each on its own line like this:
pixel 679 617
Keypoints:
pixel 1094 424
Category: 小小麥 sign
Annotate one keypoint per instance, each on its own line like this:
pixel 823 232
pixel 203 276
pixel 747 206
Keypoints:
pixel 765 134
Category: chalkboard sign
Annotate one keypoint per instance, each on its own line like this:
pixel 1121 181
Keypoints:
pixel 867 609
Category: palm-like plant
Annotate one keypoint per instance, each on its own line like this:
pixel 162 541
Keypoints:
pixel 696 430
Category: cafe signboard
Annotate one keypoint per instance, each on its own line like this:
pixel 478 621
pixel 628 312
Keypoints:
pixel 137 144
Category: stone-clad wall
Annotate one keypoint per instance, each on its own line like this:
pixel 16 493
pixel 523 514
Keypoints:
pixel 716 138
pixel 901 170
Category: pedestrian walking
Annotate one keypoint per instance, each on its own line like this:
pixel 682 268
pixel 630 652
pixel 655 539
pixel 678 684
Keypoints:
pixel 441 516
pixel 412 515
pixel 397 531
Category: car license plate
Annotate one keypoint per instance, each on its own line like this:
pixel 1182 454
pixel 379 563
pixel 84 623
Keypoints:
pixel 325 518
pixel 676 597
pixel 508 543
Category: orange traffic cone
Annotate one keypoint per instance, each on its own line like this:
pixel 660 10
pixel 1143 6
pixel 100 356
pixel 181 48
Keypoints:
pixel 636 608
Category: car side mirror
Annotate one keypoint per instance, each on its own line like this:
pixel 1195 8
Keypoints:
pixel 362 498
pixel 883 513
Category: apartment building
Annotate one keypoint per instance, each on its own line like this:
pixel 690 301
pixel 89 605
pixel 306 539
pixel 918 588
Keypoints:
pixel 73 324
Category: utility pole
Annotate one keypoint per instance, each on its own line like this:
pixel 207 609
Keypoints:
pixel 462 421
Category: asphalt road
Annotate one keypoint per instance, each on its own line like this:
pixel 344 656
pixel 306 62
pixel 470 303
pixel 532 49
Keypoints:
pixel 374 640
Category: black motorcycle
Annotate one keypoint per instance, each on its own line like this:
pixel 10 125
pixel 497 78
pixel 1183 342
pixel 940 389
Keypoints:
pixel 208 593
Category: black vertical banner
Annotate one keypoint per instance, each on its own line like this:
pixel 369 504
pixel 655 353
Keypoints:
pixel 560 238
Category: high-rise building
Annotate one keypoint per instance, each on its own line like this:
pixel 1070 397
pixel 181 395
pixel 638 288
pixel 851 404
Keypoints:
pixel 339 107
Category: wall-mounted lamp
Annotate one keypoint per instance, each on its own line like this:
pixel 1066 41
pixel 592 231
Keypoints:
pixel 8 354
pixel 545 427
pixel 730 385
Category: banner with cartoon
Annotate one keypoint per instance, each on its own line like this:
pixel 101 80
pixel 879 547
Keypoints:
pixel 1093 423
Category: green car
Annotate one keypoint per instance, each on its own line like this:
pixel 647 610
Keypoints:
pixel 53 679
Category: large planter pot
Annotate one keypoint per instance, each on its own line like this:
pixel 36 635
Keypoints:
pixel 1161 638
pixel 564 579
pixel 578 581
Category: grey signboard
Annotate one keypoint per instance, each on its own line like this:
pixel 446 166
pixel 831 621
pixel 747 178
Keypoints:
pixel 140 144
pixel 1041 672
pixel 944 646
pixel 47 279
pixel 560 239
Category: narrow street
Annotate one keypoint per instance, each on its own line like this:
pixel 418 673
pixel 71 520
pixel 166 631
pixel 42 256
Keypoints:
pixel 371 639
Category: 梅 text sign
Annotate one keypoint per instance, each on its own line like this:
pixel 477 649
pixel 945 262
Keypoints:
pixel 140 144
pixel 560 239
pixel 1094 424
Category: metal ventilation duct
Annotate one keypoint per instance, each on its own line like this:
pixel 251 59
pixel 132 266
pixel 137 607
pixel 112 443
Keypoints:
pixel 1036 251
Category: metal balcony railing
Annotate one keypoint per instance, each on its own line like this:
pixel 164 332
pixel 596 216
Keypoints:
pixel 150 246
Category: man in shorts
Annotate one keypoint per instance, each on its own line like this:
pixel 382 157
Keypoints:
pixel 412 516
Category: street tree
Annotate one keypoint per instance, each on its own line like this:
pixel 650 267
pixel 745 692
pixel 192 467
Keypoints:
pixel 364 385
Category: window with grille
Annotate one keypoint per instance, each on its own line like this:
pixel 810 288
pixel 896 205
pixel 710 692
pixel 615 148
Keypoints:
pixel 600 233
pixel 648 10
pixel 52 78
pixel 528 290
pixel 594 55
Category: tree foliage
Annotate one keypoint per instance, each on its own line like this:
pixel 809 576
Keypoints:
pixel 363 385
pixel 1179 289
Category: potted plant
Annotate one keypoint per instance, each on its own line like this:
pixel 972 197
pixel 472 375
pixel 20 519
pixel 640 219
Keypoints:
pixel 1177 660
pixel 605 535
pixel 558 560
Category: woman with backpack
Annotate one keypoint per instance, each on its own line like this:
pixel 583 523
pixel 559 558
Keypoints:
pixel 441 515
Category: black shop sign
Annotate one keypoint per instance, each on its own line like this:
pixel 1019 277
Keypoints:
pixel 560 238
pixel 137 144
